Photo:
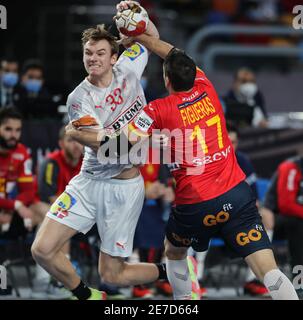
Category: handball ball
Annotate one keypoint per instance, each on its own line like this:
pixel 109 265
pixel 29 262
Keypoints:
pixel 132 22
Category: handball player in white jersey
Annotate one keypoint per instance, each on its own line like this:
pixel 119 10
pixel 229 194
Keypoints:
pixel 109 195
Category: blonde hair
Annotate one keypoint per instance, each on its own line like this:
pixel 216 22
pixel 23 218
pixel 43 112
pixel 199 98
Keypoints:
pixel 100 33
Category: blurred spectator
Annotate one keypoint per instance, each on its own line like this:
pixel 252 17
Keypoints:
pixel 244 103
pixel 222 11
pixel 54 174
pixel 16 180
pixel 285 197
pixel 8 79
pixel 32 97
pixel 243 160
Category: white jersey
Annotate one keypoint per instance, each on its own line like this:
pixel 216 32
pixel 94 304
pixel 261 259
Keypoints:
pixel 113 107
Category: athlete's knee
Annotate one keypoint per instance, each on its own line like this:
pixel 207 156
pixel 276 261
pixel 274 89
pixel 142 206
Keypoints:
pixel 113 273
pixel 41 251
pixel 174 253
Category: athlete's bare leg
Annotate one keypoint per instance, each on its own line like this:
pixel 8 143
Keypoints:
pixel 261 262
pixel 265 268
pixel 114 270
pixel 40 209
pixel 47 252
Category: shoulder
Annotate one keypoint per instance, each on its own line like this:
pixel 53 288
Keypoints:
pixel 53 156
pixel 21 152
pixel 78 93
pixel 288 164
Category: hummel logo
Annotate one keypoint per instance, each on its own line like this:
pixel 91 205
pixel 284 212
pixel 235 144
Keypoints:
pixel 276 286
pixel 180 276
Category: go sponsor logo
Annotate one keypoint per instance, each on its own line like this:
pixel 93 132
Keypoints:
pixel 212 220
pixel 244 238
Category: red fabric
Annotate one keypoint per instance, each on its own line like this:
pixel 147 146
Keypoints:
pixel 15 171
pixel 66 171
pixel 199 109
pixel 289 177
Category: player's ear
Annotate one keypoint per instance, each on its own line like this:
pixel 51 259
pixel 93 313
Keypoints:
pixel 114 59
pixel 166 82
pixel 60 143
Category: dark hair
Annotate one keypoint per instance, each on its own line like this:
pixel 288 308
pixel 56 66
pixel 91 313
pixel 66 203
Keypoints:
pixel 9 113
pixel 180 70
pixel 32 64
pixel 100 33
pixel 245 69
pixel 8 60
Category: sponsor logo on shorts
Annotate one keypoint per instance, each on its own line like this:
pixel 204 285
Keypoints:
pixel 185 241
pixel 133 52
pixel 212 220
pixel 62 205
pixel 143 122
pixel 243 238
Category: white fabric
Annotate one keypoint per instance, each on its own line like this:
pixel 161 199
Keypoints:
pixel 113 107
pixel 279 286
pixel 114 205
pixel 179 278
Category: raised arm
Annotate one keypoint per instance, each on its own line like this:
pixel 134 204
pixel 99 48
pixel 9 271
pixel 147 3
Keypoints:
pixel 155 45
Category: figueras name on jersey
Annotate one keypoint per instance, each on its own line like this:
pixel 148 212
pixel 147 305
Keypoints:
pixel 128 115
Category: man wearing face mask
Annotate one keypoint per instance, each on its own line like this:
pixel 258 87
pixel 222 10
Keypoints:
pixel 244 102
pixel 8 80
pixel 32 98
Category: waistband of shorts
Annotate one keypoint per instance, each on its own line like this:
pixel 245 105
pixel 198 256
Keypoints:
pixel 125 181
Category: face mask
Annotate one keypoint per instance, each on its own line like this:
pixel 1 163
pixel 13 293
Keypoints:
pixel 33 85
pixel 248 90
pixel 10 79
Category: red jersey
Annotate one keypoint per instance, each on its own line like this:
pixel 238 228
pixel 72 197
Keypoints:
pixel 54 175
pixel 288 182
pixel 16 180
pixel 205 165
pixel 150 171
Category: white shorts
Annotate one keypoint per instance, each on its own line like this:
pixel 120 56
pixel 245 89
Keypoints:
pixel 113 204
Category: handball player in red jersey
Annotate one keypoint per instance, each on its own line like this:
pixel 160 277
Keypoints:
pixel 215 201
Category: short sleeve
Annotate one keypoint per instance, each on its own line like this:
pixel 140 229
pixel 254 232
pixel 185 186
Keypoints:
pixel 134 59
pixel 77 105
pixel 146 121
